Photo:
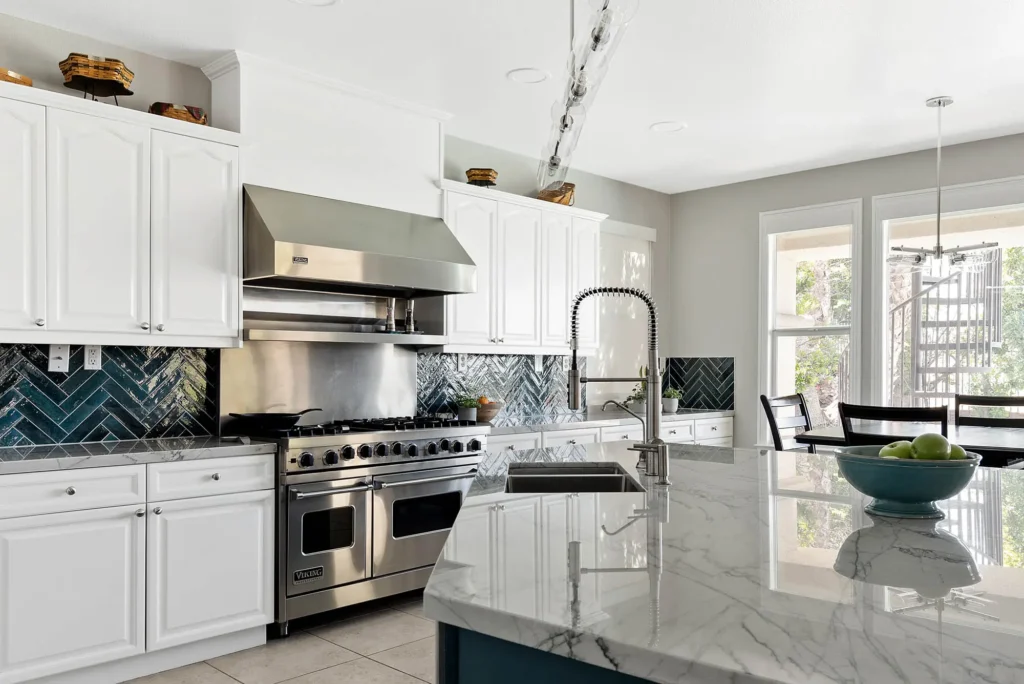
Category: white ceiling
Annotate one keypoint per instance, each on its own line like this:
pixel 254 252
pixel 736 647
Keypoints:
pixel 766 86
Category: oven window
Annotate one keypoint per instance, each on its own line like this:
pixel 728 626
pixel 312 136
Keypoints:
pixel 425 514
pixel 328 530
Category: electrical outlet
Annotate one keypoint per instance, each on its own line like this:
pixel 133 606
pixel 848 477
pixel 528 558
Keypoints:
pixel 59 358
pixel 93 356
pixel 460 363
pixel 538 363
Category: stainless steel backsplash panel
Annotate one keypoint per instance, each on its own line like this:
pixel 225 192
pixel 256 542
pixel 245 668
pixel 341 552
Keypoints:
pixel 345 380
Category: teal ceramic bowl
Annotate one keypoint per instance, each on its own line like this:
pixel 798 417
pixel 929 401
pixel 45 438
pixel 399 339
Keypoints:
pixel 904 488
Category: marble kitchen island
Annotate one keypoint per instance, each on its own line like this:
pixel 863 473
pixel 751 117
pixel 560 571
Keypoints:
pixel 729 574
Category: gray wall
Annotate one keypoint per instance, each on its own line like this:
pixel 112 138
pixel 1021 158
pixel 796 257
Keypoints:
pixel 35 50
pixel 621 201
pixel 715 247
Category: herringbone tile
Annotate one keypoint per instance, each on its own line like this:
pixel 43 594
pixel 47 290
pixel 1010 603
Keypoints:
pixel 706 383
pixel 140 392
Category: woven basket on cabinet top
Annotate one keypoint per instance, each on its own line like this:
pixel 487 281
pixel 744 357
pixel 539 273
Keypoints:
pixel 101 76
pixel 196 115
pixel 12 77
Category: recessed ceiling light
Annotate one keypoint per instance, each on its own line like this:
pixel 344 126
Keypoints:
pixel 668 126
pixel 528 75
pixel 316 3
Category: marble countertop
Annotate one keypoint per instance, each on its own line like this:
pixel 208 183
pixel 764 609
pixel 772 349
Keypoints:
pixel 593 417
pixel 35 459
pixel 752 566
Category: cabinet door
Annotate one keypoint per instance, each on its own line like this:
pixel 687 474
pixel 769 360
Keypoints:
pixel 518 262
pixel 22 215
pixel 555 278
pixel 571 437
pixel 519 442
pixel 623 433
pixel 73 591
pixel 470 317
pixel 519 555
pixel 195 237
pixel 586 273
pixel 97 224
pixel 678 432
pixel 209 568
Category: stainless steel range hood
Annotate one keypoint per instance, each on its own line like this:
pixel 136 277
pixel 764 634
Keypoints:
pixel 301 242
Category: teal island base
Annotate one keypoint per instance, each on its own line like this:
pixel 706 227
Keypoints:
pixel 466 657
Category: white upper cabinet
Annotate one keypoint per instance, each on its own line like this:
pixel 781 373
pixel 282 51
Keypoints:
pixel 586 236
pixel 97 224
pixel 519 283
pixel 556 245
pixel 195 237
pixel 22 215
pixel 470 317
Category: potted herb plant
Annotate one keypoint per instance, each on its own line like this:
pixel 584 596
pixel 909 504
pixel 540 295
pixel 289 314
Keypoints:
pixel 467 405
pixel 670 400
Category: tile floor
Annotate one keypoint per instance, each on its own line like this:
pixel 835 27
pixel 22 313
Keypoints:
pixel 383 642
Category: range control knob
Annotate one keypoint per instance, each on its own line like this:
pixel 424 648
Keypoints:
pixel 475 445
pixel 331 457
pixel 365 451
pixel 445 445
pixel 381 449
pixel 397 448
pixel 348 453
pixel 306 460
pixel 432 448
pixel 412 451
pixel 457 447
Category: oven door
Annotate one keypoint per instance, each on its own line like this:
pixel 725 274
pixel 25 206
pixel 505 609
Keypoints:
pixel 328 534
pixel 412 515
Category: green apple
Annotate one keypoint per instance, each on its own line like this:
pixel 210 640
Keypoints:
pixel 900 449
pixel 931 447
pixel 956 452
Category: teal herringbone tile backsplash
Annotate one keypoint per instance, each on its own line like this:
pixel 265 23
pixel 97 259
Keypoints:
pixel 140 392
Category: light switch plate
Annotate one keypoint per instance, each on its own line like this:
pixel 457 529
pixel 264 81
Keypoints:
pixel 93 356
pixel 59 358
pixel 538 363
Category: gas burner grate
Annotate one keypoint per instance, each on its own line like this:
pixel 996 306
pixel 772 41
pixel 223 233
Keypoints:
pixel 402 423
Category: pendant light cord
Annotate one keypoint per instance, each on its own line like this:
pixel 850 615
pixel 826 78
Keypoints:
pixel 938 188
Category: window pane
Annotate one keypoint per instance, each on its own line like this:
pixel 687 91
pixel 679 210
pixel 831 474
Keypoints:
pixel 813 278
pixel 819 368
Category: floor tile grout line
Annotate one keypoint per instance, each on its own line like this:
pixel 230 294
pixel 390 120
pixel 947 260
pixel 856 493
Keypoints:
pixel 306 674
pixel 397 670
pixel 408 643
pixel 223 672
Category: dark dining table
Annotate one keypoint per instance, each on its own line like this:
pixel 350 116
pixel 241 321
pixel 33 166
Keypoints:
pixel 1000 447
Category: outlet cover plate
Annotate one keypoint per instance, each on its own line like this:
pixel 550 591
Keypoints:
pixel 93 357
pixel 538 363
pixel 59 358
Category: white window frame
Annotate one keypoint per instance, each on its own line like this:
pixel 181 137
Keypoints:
pixel 846 212
pixel 956 199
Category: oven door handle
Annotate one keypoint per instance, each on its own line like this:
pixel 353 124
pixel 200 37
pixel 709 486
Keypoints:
pixel 330 492
pixel 426 480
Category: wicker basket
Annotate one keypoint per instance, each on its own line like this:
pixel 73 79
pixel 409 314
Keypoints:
pixel 563 194
pixel 99 76
pixel 12 77
pixel 482 177
pixel 196 115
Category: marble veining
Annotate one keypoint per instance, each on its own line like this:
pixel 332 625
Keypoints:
pixel 592 417
pixel 37 459
pixel 726 575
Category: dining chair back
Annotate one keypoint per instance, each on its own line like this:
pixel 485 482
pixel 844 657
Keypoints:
pixel 801 421
pixel 856 437
pixel 986 421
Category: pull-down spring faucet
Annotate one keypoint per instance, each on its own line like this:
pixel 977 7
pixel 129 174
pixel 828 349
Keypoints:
pixel 653 451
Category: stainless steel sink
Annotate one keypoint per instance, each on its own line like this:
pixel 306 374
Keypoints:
pixel 568 478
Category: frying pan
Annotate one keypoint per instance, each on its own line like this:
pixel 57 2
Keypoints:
pixel 272 421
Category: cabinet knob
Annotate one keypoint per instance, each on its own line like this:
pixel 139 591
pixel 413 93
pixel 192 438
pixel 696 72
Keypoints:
pixel 40 322
pixel 511 447
pixel 501 340
pixel 140 513
pixel 501 507
pixel 145 326
pixel 714 428
pixel 70 491
pixel 671 432
pixel 158 510
pixel 216 476
pixel 572 441
pixel 625 436
pixel 160 327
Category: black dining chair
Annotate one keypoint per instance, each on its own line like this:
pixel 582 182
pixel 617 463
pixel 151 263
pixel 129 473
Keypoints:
pixel 801 421
pixel 851 412
pixel 986 421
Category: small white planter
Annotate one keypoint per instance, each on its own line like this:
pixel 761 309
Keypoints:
pixel 467 413
pixel 669 405
pixel 639 407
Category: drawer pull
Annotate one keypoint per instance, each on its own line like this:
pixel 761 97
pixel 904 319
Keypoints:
pixel 511 447
pixel 40 322
pixel 216 476
pixel 572 441
pixel 158 510
pixel 140 513
pixel 70 491
pixel 714 428
pixel 625 436
pixel 671 432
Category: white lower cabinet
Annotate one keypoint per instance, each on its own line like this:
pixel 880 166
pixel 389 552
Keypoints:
pixel 561 438
pixel 72 591
pixel 678 432
pixel 518 558
pixel 209 567
pixel 518 442
pixel 620 433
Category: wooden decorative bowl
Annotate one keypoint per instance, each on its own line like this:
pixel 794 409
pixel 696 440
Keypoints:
pixel 196 115
pixel 12 77
pixel 485 413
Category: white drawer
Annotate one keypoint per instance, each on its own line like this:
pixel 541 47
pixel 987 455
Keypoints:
pixel 727 442
pixel 569 437
pixel 209 477
pixel 715 428
pixel 71 490
pixel 622 432
pixel 519 442
pixel 678 432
